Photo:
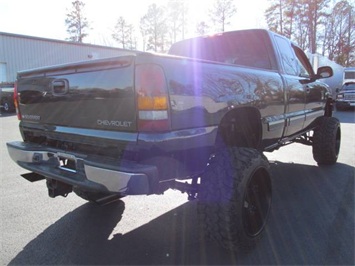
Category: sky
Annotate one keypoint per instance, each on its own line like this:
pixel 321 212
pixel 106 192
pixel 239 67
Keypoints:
pixel 46 18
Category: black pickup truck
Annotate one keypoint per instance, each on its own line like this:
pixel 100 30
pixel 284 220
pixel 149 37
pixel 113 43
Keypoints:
pixel 7 98
pixel 197 120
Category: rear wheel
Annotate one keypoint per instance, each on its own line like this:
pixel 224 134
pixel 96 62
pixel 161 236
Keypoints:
pixel 7 106
pixel 235 197
pixel 326 141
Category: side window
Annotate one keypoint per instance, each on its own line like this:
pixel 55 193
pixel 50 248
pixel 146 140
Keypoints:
pixel 289 62
pixel 246 49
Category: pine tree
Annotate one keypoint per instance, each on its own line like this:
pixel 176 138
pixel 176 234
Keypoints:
pixel 176 19
pixel 123 33
pixel 221 13
pixel 77 23
pixel 202 28
pixel 154 29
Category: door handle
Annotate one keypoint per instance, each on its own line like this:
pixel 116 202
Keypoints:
pixel 60 87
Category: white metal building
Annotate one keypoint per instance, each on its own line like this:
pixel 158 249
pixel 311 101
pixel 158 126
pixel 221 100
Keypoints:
pixel 20 52
pixel 349 75
pixel 334 82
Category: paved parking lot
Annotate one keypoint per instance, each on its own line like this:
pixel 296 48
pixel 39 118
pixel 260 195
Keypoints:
pixel 312 218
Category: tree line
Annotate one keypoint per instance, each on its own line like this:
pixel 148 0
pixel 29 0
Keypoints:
pixel 317 26
pixel 323 26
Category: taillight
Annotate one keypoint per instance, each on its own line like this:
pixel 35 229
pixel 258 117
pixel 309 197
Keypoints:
pixel 152 98
pixel 16 102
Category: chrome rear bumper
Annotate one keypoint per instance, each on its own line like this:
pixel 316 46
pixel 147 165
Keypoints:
pixel 78 170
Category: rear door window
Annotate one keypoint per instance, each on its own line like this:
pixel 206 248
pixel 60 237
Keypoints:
pixel 288 59
pixel 246 48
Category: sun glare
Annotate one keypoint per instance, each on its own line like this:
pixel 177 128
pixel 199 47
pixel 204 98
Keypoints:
pixel 250 14
pixel 103 15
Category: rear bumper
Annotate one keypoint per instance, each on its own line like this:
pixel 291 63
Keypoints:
pixel 97 174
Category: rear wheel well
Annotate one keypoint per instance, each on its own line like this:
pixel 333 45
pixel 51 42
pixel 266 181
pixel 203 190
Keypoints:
pixel 241 127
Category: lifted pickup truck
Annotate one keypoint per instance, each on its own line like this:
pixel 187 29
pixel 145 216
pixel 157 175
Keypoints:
pixel 206 112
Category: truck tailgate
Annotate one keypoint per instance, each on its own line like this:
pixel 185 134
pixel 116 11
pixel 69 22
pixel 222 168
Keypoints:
pixel 91 95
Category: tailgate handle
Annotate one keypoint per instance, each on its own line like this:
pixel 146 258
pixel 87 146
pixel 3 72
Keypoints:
pixel 60 87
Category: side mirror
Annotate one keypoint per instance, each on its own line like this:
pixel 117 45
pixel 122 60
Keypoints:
pixel 324 72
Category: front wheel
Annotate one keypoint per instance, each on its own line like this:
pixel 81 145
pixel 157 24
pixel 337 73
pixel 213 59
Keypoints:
pixel 326 141
pixel 235 197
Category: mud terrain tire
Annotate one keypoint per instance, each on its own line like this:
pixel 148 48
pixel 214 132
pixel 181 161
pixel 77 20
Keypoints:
pixel 326 141
pixel 235 197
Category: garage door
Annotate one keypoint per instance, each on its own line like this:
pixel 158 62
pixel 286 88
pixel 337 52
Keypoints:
pixel 3 72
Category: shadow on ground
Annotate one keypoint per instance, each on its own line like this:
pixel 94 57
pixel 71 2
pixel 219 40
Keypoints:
pixel 346 116
pixel 312 222
pixel 4 114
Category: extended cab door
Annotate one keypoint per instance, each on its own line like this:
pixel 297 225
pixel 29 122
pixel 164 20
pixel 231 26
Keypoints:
pixel 296 75
pixel 315 91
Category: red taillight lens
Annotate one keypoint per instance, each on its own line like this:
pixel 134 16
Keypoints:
pixel 16 102
pixel 152 98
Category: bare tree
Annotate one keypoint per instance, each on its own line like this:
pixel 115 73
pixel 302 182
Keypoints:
pixel 123 33
pixel 221 13
pixel 132 38
pixel 290 18
pixel 274 16
pixel 301 30
pixel 339 41
pixel 299 20
pixel 176 19
pixel 313 25
pixel 77 23
pixel 144 30
pixel 316 14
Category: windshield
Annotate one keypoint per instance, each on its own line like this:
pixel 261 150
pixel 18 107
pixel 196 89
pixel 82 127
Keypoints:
pixel 348 86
